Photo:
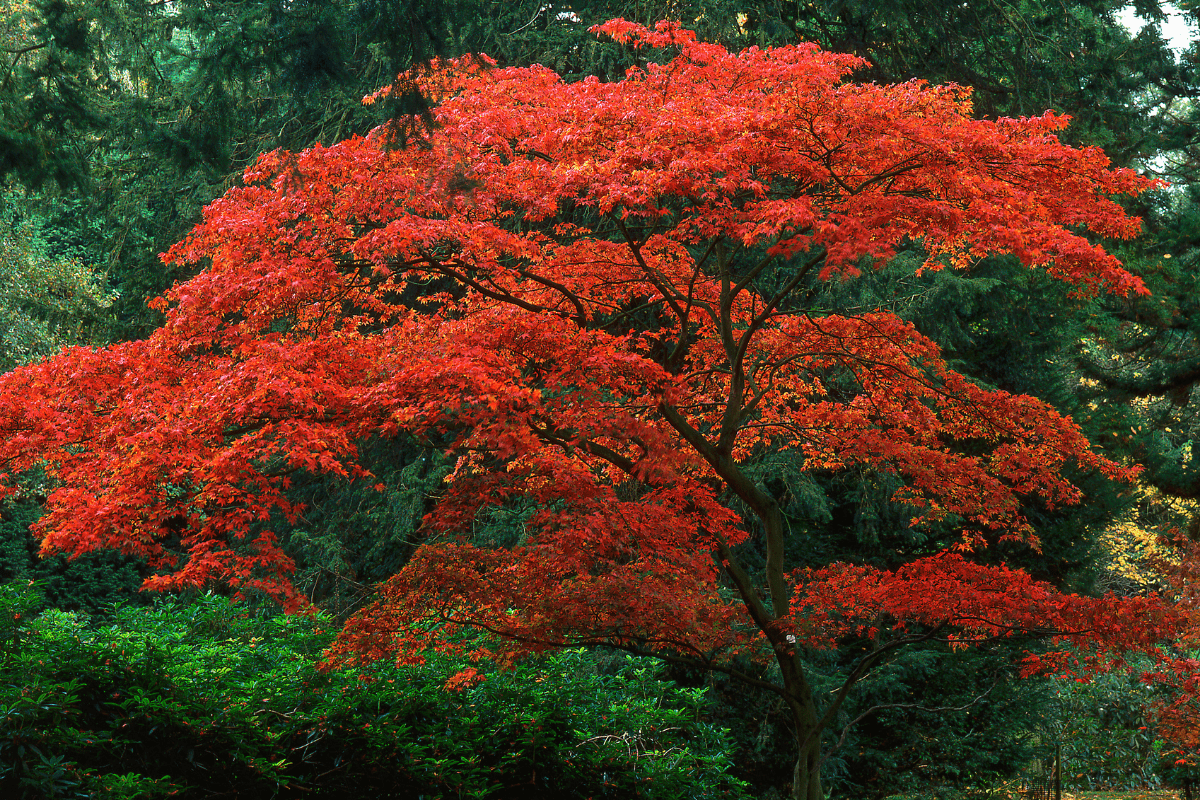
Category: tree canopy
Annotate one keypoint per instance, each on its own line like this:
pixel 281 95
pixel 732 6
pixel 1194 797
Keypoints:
pixel 597 296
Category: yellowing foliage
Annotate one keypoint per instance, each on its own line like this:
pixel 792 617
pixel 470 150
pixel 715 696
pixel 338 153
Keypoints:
pixel 47 302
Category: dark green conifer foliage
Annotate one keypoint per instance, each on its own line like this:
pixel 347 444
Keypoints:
pixel 90 583
pixel 1141 357
pixel 145 110
pixel 353 535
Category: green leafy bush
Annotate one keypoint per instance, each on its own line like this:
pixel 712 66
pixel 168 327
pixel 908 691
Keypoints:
pixel 195 699
pixel 1107 741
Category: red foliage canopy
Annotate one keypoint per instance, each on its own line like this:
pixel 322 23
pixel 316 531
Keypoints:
pixel 596 293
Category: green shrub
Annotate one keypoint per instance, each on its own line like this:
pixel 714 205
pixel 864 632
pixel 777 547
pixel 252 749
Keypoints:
pixel 190 700
pixel 1107 742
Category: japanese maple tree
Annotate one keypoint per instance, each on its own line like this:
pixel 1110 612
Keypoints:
pixel 596 297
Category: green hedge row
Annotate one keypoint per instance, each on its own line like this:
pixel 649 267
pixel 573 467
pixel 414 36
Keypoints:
pixel 206 699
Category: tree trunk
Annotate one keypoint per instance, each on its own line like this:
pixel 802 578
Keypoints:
pixel 806 778
pixel 807 721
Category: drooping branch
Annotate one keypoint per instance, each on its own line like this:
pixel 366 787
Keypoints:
pixel 875 709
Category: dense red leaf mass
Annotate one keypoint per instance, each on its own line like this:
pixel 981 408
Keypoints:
pixel 595 293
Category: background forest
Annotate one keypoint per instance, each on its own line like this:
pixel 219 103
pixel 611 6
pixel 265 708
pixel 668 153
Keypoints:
pixel 120 120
